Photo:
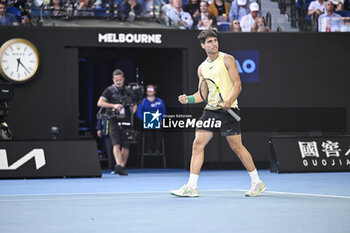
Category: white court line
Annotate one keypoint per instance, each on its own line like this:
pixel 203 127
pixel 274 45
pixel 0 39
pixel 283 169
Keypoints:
pixel 73 194
pixel 302 194
pixel 149 196
pixel 83 198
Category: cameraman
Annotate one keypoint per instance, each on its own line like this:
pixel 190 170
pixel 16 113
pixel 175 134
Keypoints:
pixel 113 97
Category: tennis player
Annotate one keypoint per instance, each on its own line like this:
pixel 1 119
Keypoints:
pixel 222 68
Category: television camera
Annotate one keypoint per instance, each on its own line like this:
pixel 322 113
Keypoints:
pixel 6 94
pixel 131 94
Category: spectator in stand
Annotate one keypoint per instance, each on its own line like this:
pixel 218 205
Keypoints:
pixel 235 26
pixel 26 20
pixel 239 8
pixel 180 17
pixel 204 20
pixel 329 21
pixel 129 10
pixel 85 8
pixel 338 5
pixel 260 25
pixel 220 9
pixel 6 19
pixel 166 12
pixel 248 21
pixel 192 7
pixel 55 8
pixel 317 7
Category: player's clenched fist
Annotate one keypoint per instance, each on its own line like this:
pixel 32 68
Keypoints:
pixel 183 99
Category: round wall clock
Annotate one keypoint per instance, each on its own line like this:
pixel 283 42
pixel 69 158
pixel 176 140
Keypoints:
pixel 19 60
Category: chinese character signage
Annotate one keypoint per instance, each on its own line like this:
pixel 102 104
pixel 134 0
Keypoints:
pixel 303 154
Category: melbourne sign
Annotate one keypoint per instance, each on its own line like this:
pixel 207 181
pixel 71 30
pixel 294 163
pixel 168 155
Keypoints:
pixel 130 38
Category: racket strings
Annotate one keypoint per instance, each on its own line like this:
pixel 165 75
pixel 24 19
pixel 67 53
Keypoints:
pixel 210 93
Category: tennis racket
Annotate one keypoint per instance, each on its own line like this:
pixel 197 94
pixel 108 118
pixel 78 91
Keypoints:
pixel 211 95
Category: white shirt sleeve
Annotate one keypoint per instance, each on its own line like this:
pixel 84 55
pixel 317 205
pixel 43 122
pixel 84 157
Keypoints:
pixel 312 6
pixel 185 16
pixel 173 15
pixel 245 24
pixel 321 24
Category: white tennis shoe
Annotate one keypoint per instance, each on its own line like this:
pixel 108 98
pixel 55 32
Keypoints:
pixel 256 189
pixel 185 191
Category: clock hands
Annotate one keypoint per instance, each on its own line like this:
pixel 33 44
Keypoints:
pixel 20 63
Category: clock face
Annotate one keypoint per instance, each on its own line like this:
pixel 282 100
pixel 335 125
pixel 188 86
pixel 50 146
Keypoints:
pixel 19 60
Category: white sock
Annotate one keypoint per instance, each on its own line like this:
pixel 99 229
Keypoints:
pixel 254 176
pixel 192 181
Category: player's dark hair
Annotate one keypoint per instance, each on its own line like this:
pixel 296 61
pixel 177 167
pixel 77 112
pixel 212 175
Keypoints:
pixel 203 35
pixel 118 72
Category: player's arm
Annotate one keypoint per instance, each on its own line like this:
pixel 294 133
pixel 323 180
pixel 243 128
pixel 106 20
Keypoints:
pixel 231 66
pixel 195 98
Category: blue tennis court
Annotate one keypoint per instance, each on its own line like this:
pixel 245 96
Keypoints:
pixel 140 202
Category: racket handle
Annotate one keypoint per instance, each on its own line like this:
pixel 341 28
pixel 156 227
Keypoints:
pixel 232 113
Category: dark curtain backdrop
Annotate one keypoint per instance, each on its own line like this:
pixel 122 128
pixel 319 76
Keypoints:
pixel 162 67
